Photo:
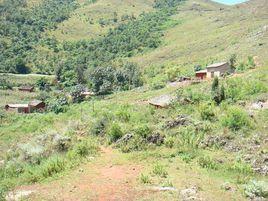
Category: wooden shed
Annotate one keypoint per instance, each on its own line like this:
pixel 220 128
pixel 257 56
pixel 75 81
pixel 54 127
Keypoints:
pixel 202 74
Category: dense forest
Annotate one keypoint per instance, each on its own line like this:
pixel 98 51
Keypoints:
pixel 23 32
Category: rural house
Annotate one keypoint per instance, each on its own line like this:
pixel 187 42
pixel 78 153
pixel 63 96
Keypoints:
pixel 26 88
pixel 214 70
pixel 20 108
pixel 35 105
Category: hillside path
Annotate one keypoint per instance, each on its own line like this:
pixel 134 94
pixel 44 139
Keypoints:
pixel 107 177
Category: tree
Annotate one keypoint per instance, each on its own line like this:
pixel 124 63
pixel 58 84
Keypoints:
pixel 232 60
pixel 43 84
pixel 21 67
pixel 217 92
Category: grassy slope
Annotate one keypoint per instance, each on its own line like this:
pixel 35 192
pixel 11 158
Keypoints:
pixel 84 22
pixel 212 32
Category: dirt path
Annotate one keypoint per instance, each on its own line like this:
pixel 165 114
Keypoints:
pixel 105 178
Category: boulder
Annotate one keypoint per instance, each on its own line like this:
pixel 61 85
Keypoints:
pixel 155 138
pixel 180 120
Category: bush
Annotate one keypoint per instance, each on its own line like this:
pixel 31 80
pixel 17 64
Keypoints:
pixel 236 119
pixel 256 189
pixel 114 133
pixel 4 83
pixel 57 104
pixel 99 126
pixel 52 166
pixel 143 131
pixel 76 93
pixel 206 112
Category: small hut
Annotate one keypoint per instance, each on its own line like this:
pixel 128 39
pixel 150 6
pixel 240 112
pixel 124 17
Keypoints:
pixel 37 105
pixel 26 88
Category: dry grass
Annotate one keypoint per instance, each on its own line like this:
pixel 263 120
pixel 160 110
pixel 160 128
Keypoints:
pixel 210 32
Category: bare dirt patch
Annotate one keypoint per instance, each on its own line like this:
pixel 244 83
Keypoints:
pixel 105 178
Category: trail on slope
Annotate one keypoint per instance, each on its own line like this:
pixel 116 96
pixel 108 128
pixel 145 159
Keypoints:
pixel 105 178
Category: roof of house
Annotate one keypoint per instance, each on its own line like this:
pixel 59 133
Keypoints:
pixel 17 105
pixel 162 101
pixel 201 71
pixel 216 65
pixel 35 102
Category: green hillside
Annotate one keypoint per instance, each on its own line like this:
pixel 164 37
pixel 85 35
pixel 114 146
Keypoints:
pixel 210 143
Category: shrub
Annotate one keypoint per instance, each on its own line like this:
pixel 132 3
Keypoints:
pixel 207 162
pixel 57 104
pixel 4 83
pixel 206 112
pixel 159 170
pixel 83 149
pixel 193 96
pixel 114 133
pixel 236 119
pixel 251 63
pixel 143 131
pixel 100 126
pixel 76 93
pixel 157 84
pixel 256 189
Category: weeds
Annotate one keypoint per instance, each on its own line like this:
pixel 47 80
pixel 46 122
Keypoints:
pixel 145 179
pixel 160 171
pixel 207 162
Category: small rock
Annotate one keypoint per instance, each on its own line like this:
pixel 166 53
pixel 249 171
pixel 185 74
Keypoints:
pixel 18 195
pixel 180 120
pixel 161 188
pixel 226 186
pixel 190 194
pixel 125 138
pixel 156 138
